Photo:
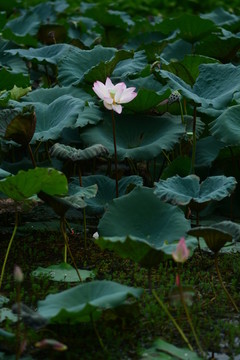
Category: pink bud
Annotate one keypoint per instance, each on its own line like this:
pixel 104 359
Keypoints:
pixel 18 274
pixel 54 344
pixel 181 253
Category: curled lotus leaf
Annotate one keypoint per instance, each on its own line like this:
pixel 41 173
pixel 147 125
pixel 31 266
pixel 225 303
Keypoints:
pixel 18 125
pixel 215 238
pixel 184 190
pixel 62 151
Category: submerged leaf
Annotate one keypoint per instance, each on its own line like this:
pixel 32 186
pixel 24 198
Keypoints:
pixel 63 272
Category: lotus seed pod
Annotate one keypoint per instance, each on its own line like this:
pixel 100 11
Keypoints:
pixel 175 96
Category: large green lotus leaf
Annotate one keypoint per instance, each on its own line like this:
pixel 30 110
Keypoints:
pixel 139 226
pixel 106 190
pixel 188 68
pixel 105 68
pixel 226 127
pixel 27 40
pixel 51 54
pixel 162 350
pixel 214 237
pixel 141 137
pixel 8 79
pixel 76 63
pixel 192 27
pixel 86 192
pixel 176 51
pixel 207 151
pixel 61 205
pixel 130 66
pixel 147 99
pixel 222 17
pixel 180 166
pixel 63 272
pixel 47 96
pixel 75 199
pixel 85 301
pixel 223 46
pixel 10 62
pixel 107 17
pixel 214 86
pixel 27 183
pixel 181 191
pixel 30 20
pixel 4 173
pixel 64 112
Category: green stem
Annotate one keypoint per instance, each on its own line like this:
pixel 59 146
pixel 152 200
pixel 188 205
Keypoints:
pixel 63 230
pixel 84 212
pixel 97 333
pixel 8 249
pixel 181 111
pixel 222 284
pixel 173 320
pixel 194 139
pixel 18 335
pixel 188 317
pixel 115 151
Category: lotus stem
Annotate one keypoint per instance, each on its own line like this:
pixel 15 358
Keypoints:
pixel 181 111
pixel 97 333
pixel 115 152
pixel 62 227
pixel 222 284
pixel 18 335
pixel 8 249
pixel 194 139
pixel 31 155
pixel 188 316
pixel 84 212
pixel 173 320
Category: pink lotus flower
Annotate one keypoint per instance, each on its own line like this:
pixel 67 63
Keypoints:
pixel 181 253
pixel 114 95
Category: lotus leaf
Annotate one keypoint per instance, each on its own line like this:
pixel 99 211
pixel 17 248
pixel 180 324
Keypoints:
pixel 182 191
pixel 137 226
pixel 75 199
pixel 63 272
pixel 27 183
pixel 140 137
pixel 85 301
pixel 106 190
pixel 162 350
pixel 213 236
pixel 226 127
pixel 68 152
pixel 223 77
